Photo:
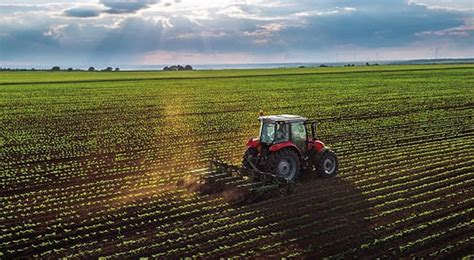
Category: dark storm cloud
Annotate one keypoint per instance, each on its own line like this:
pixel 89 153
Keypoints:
pixel 126 6
pixel 370 27
pixel 134 35
pixel 111 7
pixel 24 43
pixel 82 12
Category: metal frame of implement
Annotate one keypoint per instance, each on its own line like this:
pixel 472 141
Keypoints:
pixel 223 175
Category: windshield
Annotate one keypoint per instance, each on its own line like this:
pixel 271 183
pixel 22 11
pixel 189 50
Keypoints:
pixel 267 133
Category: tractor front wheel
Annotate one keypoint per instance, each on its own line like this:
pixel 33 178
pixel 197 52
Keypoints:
pixel 284 163
pixel 327 165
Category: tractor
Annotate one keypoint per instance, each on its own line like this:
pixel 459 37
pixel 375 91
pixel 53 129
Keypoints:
pixel 286 147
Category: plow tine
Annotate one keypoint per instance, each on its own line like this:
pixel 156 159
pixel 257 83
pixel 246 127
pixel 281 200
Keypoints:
pixel 241 184
pixel 237 183
pixel 217 176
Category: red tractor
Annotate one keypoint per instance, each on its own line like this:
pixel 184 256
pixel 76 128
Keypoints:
pixel 286 146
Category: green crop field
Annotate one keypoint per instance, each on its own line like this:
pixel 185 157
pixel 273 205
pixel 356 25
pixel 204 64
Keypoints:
pixel 92 163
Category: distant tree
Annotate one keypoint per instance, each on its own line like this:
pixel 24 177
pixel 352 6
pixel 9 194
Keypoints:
pixel 70 69
pixel 302 67
pixel 91 69
pixel 56 68
pixel 117 69
pixel 178 67
pixel 367 64
pixel 323 65
pixel 109 69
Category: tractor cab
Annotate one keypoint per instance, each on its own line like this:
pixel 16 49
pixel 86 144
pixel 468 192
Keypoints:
pixel 287 128
pixel 283 128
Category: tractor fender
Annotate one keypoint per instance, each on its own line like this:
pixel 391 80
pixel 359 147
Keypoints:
pixel 320 153
pixel 253 143
pixel 288 144
pixel 317 145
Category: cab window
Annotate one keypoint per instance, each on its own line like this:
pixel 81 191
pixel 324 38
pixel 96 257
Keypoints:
pixel 298 134
pixel 267 133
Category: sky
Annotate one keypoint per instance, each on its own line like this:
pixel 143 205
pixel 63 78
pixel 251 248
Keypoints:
pixel 147 32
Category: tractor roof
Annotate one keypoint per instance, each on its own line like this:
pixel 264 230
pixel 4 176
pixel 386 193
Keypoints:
pixel 282 118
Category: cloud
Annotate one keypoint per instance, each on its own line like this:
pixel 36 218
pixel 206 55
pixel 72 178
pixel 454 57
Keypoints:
pixel 264 34
pixel 466 30
pixel 109 7
pixel 126 6
pixel 459 5
pixel 323 13
pixel 56 31
pixel 19 44
pixel 83 11
pixel 268 30
pixel 7 9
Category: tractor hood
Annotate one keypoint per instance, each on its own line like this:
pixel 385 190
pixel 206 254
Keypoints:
pixel 253 142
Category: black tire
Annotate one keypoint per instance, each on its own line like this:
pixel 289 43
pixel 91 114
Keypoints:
pixel 327 165
pixel 284 163
pixel 251 154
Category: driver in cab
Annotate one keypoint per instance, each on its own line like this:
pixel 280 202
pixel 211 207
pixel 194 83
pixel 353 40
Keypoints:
pixel 281 133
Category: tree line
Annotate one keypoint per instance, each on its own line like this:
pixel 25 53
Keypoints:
pixel 57 68
pixel 177 68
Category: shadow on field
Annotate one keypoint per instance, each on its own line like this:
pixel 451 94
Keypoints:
pixel 322 217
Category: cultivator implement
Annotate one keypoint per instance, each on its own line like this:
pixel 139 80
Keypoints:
pixel 243 184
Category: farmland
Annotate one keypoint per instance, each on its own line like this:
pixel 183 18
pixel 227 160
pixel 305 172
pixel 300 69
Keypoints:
pixel 91 163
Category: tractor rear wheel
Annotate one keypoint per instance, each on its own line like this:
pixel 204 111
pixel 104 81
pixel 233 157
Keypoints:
pixel 284 163
pixel 250 155
pixel 327 165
